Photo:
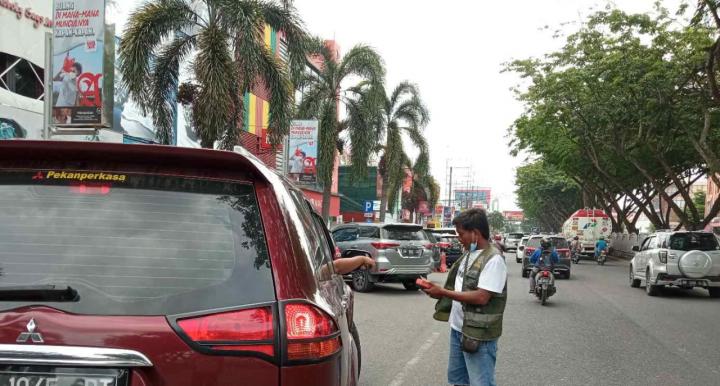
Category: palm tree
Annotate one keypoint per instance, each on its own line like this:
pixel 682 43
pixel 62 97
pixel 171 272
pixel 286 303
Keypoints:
pixel 223 41
pixel 403 112
pixel 326 92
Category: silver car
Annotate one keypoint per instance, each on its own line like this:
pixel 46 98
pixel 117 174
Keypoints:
pixel 512 241
pixel 402 253
pixel 678 259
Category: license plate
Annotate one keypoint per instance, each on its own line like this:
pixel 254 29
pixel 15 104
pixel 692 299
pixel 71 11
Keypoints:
pixel 693 283
pixel 64 377
pixel 410 252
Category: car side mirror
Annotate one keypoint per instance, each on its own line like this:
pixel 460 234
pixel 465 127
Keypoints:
pixel 636 249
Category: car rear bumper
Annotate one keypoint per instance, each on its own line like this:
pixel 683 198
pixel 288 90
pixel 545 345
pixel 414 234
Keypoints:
pixel 401 273
pixel 681 281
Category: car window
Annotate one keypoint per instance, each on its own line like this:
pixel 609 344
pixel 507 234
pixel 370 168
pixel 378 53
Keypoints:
pixel 651 242
pixel 134 244
pixel 515 236
pixel 693 241
pixel 369 232
pixel 403 233
pixel 430 236
pixel 345 234
pixel 325 251
pixel 534 242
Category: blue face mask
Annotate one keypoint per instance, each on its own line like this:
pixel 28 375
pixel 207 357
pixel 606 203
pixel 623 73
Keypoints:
pixel 473 246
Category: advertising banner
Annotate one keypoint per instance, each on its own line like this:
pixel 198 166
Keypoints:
pixel 303 151
pixel 78 59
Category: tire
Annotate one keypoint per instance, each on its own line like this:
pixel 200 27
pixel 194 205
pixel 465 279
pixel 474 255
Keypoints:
pixel 650 290
pixel 410 286
pixel 714 292
pixel 356 338
pixel 543 296
pixel 525 274
pixel 518 260
pixel 566 276
pixel 634 283
pixel 361 281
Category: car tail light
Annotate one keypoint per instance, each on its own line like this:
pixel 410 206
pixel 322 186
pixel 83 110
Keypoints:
pixel 546 274
pixel 91 189
pixel 311 333
pixel 443 245
pixel 529 251
pixel 382 245
pixel 663 255
pixel 243 330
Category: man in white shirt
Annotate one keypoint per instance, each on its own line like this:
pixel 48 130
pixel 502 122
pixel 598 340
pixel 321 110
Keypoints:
pixel 473 301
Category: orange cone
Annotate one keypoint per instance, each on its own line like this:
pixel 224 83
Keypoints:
pixel 443 262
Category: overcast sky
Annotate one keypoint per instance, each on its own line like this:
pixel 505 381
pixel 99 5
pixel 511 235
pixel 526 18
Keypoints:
pixel 454 50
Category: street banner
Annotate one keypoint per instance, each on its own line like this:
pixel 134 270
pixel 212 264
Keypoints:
pixel 78 60
pixel 303 151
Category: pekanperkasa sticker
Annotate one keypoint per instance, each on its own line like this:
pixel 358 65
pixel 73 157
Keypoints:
pixel 79 176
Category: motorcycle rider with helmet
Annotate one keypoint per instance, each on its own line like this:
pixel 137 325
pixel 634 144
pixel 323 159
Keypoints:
pixel 535 260
pixel 575 248
pixel 600 245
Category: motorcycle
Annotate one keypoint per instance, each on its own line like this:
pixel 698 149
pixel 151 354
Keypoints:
pixel 544 283
pixel 602 257
pixel 575 257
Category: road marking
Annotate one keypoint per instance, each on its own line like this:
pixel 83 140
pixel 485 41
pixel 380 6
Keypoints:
pixel 400 378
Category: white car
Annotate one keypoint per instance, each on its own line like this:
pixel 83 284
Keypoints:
pixel 521 246
pixel 512 241
pixel 679 259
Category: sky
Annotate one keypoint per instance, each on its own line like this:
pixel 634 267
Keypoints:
pixel 454 52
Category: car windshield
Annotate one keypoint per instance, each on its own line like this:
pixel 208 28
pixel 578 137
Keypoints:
pixel 133 244
pixel 515 236
pixel 403 233
pixel 693 242
pixel 556 242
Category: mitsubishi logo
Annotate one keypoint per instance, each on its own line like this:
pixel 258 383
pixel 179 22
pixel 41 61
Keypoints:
pixel 30 334
pixel 38 176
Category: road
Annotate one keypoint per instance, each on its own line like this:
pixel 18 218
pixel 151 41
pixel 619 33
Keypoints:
pixel 595 331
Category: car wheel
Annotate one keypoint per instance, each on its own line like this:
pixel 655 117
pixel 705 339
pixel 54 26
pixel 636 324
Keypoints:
pixel 361 281
pixel 650 290
pixel 567 275
pixel 356 338
pixel 518 260
pixel 634 283
pixel 714 292
pixel 410 286
pixel 525 273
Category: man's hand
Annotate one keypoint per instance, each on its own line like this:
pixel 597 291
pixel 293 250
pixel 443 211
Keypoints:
pixel 435 291
pixel 368 262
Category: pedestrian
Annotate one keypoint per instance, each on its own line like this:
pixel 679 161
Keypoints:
pixel 473 301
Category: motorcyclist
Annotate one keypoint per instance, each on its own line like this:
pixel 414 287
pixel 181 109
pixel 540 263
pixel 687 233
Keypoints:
pixel 575 247
pixel 600 245
pixel 499 245
pixel 536 264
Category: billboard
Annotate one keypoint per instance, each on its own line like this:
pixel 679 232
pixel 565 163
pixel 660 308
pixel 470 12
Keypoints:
pixel 473 198
pixel 303 151
pixel 77 63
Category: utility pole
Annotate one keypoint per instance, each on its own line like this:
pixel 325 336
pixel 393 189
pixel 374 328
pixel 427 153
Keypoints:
pixel 450 187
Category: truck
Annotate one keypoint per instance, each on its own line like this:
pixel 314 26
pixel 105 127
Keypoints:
pixel 588 225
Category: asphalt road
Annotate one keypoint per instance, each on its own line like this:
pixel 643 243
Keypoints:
pixel 595 331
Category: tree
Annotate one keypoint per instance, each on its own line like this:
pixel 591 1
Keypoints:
pixel 403 112
pixel 329 91
pixel 496 221
pixel 546 194
pixel 578 120
pixel 224 44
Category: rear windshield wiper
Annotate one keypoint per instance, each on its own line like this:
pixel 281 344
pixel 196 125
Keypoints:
pixel 49 293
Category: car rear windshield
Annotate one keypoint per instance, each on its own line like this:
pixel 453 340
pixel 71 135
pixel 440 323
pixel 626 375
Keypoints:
pixel 693 242
pixel 404 233
pixel 556 242
pixel 515 236
pixel 133 244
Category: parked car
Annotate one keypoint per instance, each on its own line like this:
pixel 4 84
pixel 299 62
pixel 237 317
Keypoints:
pixel 165 266
pixel 679 259
pixel 450 245
pixel 437 250
pixel 402 253
pixel 561 269
pixel 512 241
pixel 521 248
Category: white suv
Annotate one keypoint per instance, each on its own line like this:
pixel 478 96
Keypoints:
pixel 679 259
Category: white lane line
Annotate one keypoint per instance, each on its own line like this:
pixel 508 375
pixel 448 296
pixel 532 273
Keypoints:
pixel 400 378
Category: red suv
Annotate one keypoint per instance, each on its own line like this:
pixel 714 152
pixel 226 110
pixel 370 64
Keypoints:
pixel 150 265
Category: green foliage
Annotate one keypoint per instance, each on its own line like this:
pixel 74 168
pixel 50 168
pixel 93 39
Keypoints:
pixel 619 111
pixel 496 221
pixel 326 91
pixel 546 194
pixel 230 58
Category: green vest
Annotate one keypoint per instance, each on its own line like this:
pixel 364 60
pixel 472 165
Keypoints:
pixel 480 322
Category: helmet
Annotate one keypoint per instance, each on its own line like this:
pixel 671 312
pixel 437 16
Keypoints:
pixel 545 244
